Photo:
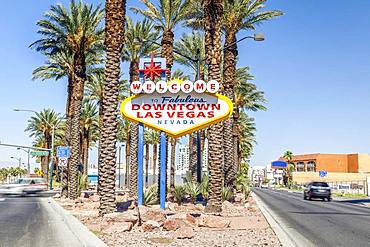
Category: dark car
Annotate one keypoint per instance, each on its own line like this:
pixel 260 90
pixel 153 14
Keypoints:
pixel 317 190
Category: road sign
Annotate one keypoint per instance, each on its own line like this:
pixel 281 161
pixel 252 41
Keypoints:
pixel 62 161
pixel 39 153
pixel 323 174
pixel 63 152
pixel 279 164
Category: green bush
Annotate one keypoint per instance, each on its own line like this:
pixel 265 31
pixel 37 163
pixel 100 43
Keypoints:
pixel 226 193
pixel 193 189
pixel 151 195
pixel 204 186
pixel 82 183
pixel 179 193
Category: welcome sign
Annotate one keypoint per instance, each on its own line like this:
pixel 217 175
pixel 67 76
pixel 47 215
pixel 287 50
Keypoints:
pixel 176 113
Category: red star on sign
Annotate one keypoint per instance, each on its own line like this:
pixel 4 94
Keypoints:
pixel 152 71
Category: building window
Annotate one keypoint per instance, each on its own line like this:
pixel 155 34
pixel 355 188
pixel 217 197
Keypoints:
pixel 300 167
pixel 311 166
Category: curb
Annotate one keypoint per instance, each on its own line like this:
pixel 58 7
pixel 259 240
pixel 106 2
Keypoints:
pixel 82 233
pixel 288 236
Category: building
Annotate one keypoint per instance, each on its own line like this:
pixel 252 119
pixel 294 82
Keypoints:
pixel 256 174
pixel 350 171
pixel 183 159
pixel 274 175
pixel 344 163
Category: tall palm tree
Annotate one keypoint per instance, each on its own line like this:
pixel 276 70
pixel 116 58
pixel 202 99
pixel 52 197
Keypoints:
pixel 166 16
pixel 238 15
pixel 288 156
pixel 246 137
pixel 213 13
pixel 40 127
pixel 89 131
pixel 114 40
pixel 188 44
pixel 141 30
pixel 78 31
pixel 247 98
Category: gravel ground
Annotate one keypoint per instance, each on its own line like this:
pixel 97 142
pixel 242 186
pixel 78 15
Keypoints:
pixel 224 238
pixel 248 228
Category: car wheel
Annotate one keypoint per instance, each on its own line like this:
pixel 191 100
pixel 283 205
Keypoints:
pixel 310 198
pixel 329 199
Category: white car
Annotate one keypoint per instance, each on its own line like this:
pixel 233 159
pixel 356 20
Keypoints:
pixel 264 186
pixel 24 186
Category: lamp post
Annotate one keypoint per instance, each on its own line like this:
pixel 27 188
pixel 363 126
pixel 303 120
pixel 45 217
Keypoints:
pixel 52 143
pixel 28 159
pixel 18 159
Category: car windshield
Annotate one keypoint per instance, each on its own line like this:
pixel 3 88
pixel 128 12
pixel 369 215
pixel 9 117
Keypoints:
pixel 23 181
pixel 320 184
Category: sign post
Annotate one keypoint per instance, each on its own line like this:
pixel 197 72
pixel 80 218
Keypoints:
pixel 162 196
pixel 140 171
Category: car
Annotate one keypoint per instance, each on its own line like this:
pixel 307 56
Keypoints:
pixel 317 190
pixel 24 186
pixel 264 186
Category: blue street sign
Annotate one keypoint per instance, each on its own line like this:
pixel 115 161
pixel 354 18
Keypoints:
pixel 63 152
pixel 323 174
pixel 279 164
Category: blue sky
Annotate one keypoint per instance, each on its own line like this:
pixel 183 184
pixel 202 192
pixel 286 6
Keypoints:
pixel 314 67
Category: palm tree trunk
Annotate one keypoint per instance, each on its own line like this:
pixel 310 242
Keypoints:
pixel 236 157
pixel 114 39
pixel 146 164
pixel 167 53
pixel 193 156
pixel 213 13
pixel 100 130
pixel 85 151
pixel 230 54
pixel 69 109
pixel 134 76
pixel 172 172
pixel 78 90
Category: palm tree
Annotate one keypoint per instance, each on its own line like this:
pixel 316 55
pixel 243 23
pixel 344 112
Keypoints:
pixel 247 98
pixel 89 131
pixel 213 12
pixel 78 31
pixel 288 156
pixel 238 15
pixel 166 16
pixel 132 52
pixel 189 45
pixel 40 127
pixel 246 137
pixel 114 40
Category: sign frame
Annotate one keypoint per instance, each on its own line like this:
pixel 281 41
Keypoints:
pixel 188 130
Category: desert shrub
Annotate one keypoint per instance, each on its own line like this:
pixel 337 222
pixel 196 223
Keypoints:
pixel 179 193
pixel 151 195
pixel 226 193
pixel 192 189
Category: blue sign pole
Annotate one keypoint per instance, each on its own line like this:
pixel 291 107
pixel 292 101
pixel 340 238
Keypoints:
pixel 162 196
pixel 140 170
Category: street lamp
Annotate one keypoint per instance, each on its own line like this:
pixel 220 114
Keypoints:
pixel 28 159
pixel 52 142
pixel 18 159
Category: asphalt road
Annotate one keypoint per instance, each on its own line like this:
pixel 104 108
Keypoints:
pixel 31 222
pixel 326 224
